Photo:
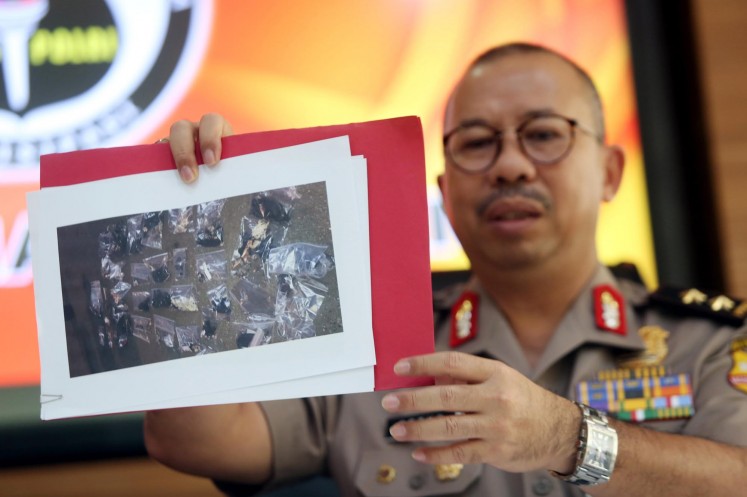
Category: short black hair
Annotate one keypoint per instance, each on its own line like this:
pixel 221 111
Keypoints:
pixel 519 48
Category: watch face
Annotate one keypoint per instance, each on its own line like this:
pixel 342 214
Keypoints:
pixel 598 458
pixel 600 449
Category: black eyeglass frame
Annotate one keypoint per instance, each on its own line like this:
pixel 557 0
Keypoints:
pixel 498 138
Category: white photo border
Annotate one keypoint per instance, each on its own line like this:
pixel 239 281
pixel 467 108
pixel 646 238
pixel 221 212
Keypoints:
pixel 328 161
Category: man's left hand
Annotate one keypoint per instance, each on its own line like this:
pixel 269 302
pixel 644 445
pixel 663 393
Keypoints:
pixel 502 418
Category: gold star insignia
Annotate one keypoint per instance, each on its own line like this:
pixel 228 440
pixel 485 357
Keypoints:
pixel 721 303
pixel 693 295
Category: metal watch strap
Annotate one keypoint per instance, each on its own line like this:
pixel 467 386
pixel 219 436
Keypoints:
pixel 592 421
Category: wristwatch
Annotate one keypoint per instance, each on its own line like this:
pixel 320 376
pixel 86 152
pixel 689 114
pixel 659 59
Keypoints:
pixel 597 450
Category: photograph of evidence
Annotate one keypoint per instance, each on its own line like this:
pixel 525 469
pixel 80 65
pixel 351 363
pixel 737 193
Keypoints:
pixel 239 272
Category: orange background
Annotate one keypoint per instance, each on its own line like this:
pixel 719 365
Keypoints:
pixel 296 63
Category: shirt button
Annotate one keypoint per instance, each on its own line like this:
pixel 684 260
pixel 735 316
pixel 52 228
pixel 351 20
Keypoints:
pixel 542 485
pixel 416 482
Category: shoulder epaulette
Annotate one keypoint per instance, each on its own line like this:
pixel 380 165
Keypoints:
pixel 695 302
pixel 626 271
pixel 447 286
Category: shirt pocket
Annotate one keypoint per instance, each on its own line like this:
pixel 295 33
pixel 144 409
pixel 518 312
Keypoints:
pixel 392 472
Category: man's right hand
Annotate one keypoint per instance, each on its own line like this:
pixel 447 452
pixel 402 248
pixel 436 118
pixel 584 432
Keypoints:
pixel 185 136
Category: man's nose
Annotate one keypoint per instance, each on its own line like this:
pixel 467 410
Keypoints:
pixel 512 164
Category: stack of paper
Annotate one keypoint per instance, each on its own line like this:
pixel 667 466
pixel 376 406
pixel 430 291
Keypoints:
pixel 295 268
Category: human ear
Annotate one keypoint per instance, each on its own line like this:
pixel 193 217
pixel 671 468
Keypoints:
pixel 614 164
pixel 443 186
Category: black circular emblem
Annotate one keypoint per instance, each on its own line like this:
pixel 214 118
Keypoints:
pixel 91 73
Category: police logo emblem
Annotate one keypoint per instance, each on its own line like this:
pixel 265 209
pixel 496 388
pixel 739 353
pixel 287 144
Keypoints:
pixel 79 76
pixel 655 340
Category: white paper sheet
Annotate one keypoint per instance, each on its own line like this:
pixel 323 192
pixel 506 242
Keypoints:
pixel 342 361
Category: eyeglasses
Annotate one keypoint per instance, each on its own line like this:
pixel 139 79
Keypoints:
pixel 545 139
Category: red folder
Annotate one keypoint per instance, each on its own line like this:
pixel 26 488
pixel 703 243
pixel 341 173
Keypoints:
pixel 398 218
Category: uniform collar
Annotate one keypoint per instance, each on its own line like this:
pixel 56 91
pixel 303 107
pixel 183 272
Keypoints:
pixel 578 328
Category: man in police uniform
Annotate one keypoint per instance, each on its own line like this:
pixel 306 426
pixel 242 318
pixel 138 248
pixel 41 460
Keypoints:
pixel 551 368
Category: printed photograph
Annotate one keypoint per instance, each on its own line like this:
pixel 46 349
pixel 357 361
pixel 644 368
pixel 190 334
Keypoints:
pixel 239 272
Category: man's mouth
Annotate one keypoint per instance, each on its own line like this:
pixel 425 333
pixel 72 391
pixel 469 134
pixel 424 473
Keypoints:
pixel 513 203
pixel 513 209
pixel 515 216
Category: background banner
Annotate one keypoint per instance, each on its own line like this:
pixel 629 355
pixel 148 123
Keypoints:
pixel 100 73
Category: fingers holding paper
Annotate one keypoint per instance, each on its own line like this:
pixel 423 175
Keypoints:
pixel 500 417
pixel 186 136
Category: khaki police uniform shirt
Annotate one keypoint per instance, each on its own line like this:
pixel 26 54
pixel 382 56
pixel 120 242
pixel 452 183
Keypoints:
pixel 345 435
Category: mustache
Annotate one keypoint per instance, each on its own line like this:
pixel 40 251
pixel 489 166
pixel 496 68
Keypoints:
pixel 512 191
